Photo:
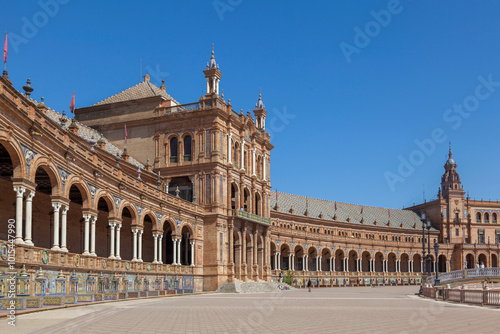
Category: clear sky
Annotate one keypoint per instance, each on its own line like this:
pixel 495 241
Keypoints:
pixel 363 96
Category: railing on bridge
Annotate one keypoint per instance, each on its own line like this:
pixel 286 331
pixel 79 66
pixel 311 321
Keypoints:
pixel 466 273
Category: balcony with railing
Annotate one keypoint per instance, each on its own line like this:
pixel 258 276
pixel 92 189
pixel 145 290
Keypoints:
pixel 251 217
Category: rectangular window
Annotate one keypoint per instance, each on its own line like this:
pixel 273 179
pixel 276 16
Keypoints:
pixel 445 214
pixel 457 232
pixel 480 236
pixel 497 236
pixel 456 216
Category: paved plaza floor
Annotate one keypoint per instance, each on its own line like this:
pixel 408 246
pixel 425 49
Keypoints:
pixel 326 310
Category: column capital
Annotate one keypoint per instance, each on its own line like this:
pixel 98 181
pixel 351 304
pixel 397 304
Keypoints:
pixel 112 224
pixel 30 194
pixel 56 206
pixel 87 216
pixel 94 219
pixel 65 209
pixel 19 190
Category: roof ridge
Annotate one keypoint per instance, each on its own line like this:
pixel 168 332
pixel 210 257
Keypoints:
pixel 327 200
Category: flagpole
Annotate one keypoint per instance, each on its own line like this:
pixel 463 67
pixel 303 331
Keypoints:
pixel 5 54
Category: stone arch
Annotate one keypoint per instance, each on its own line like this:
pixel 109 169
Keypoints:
pixel 152 215
pixel 353 260
pixel 169 231
pixel 391 262
pixel 15 151
pixel 339 259
pixel 50 169
pixel 442 259
pixel 257 204
pixel 247 200
pixel 326 254
pixel 365 261
pixel 149 223
pixel 82 187
pixel 105 208
pixel 235 196
pixel 494 260
pixel 168 222
pixel 103 194
pixel 417 262
pixel 379 260
pixel 470 260
pixel 312 254
pixel 404 262
pixel 189 226
pixel 299 252
pixel 127 212
pixel 131 207
pixel 482 259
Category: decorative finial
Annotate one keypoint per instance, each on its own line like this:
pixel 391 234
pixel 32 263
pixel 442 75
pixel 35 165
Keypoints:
pixel 212 49
pixel 177 191
pixel 28 89
pixel 222 93
pixel 162 87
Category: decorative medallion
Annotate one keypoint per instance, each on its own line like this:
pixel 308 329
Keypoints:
pixel 148 266
pixel 76 260
pixel 4 251
pixel 168 268
pixel 28 156
pixel 127 265
pixel 104 263
pixel 186 270
pixel 45 256
pixel 117 203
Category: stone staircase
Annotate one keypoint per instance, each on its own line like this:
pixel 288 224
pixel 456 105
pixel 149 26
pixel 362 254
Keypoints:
pixel 252 287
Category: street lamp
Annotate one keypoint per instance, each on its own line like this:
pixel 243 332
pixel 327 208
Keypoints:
pixel 422 218
pixel 436 251
pixel 428 247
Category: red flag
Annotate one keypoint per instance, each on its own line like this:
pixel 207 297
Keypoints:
pixel 5 51
pixel 125 135
pixel 335 206
pixel 361 210
pixel 72 105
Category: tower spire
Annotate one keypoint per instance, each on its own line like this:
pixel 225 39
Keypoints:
pixel 212 75
pixel 449 153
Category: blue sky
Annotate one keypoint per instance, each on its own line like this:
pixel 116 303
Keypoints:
pixel 350 87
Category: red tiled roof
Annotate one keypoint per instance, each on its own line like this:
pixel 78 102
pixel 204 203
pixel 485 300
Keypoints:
pixel 140 91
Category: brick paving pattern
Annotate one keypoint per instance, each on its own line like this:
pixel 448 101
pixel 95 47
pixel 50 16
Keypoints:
pixel 336 310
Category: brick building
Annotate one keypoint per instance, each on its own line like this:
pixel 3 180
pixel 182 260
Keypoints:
pixel 185 204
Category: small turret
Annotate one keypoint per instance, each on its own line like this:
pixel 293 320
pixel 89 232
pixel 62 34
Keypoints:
pixel 260 113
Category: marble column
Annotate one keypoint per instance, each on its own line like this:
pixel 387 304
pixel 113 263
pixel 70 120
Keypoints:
pixel 160 252
pixel 139 255
pixel 86 217
pixel 112 240
pixel 192 253
pixel 64 227
pixel 175 251
pixel 29 217
pixel 134 244
pixel 179 251
pixel 57 207
pixel 92 236
pixel 155 246
pixel 19 214
pixel 117 253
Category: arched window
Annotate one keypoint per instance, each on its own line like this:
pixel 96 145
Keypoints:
pixel 187 148
pixel 173 149
pixel 494 217
pixel 486 217
pixel 478 217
